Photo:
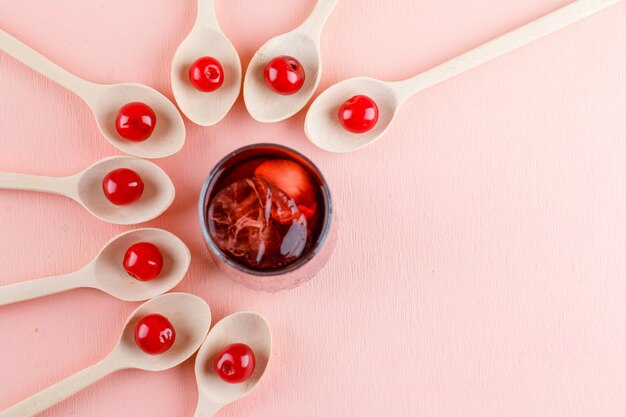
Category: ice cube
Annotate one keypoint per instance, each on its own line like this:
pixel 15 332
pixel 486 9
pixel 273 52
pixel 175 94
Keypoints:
pixel 257 223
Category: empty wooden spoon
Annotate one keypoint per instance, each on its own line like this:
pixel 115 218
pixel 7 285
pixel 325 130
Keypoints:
pixel 244 327
pixel 105 100
pixel 206 39
pixel 106 271
pixel 324 129
pixel 86 188
pixel 189 315
pixel 303 43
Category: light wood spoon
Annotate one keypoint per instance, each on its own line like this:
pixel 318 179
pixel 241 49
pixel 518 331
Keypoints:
pixel 105 100
pixel 86 188
pixel 303 43
pixel 106 271
pixel 206 39
pixel 322 125
pixel 244 327
pixel 191 318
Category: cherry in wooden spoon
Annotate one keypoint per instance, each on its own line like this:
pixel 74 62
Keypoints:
pixel 303 44
pixel 206 39
pixel 86 188
pixel 106 100
pixel 324 128
pixel 106 272
pixel 248 328
pixel 189 315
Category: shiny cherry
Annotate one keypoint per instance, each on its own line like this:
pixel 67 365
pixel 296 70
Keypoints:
pixel 135 122
pixel 143 261
pixel 206 74
pixel 122 186
pixel 359 114
pixel 235 363
pixel 154 334
pixel 284 75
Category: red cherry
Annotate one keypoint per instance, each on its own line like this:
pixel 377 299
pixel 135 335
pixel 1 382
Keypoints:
pixel 206 74
pixel 284 75
pixel 143 261
pixel 359 114
pixel 290 177
pixel 235 363
pixel 135 122
pixel 154 334
pixel 122 186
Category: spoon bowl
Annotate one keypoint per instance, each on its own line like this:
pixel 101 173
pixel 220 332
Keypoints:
pixel 323 127
pixel 244 327
pixel 157 196
pixel 191 318
pixel 264 104
pixel 111 277
pixel 168 136
pixel 206 109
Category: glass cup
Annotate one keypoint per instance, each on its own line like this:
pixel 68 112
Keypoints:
pixel 309 263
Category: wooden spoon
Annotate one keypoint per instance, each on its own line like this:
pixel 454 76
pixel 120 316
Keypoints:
pixel 86 188
pixel 322 125
pixel 244 327
pixel 303 43
pixel 106 272
pixel 191 318
pixel 105 100
pixel 206 39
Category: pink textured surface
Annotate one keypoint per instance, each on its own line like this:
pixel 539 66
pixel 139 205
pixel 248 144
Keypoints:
pixel 481 265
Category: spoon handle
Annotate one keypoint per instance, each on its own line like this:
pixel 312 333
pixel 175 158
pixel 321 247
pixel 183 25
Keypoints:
pixel 317 20
pixel 205 407
pixel 206 14
pixel 55 185
pixel 62 390
pixel 567 15
pixel 43 65
pixel 41 287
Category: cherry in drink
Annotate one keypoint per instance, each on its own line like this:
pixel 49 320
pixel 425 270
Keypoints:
pixel 267 209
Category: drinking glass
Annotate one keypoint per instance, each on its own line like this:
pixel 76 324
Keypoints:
pixel 310 262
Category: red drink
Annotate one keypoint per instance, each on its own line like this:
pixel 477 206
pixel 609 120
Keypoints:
pixel 266 211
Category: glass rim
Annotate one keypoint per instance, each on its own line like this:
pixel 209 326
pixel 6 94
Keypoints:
pixel 208 185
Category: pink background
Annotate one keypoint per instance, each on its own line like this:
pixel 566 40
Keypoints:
pixel 481 265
